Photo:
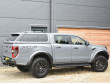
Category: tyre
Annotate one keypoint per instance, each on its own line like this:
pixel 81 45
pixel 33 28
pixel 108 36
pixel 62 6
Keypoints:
pixel 23 68
pixel 99 64
pixel 40 68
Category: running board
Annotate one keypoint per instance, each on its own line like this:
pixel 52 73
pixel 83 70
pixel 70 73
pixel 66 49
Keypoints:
pixel 72 65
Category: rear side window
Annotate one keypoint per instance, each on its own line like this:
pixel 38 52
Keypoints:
pixel 61 39
pixel 34 38
pixel 13 37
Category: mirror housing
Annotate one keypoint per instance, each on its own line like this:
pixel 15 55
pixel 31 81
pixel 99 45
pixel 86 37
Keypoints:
pixel 87 43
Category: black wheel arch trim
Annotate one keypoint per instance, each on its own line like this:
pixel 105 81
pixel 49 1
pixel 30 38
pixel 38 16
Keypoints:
pixel 97 54
pixel 47 55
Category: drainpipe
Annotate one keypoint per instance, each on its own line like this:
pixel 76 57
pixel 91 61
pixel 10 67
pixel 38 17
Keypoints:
pixel 51 15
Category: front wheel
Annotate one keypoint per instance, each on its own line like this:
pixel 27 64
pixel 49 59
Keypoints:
pixel 40 67
pixel 99 64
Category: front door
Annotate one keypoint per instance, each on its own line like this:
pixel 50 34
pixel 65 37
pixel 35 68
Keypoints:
pixel 62 49
pixel 80 51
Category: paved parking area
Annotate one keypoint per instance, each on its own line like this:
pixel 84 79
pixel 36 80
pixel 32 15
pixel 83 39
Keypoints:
pixel 66 75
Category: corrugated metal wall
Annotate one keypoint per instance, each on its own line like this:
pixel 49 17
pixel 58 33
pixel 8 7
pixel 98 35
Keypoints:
pixel 87 13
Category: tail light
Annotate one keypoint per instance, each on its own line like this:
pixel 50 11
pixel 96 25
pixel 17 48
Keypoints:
pixel 15 51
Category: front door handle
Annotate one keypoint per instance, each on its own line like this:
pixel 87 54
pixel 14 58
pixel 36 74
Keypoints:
pixel 58 47
pixel 76 48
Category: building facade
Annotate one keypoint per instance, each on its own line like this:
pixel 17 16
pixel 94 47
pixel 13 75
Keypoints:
pixel 89 19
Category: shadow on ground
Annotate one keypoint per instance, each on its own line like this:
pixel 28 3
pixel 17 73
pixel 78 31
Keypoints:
pixel 60 71
pixel 15 73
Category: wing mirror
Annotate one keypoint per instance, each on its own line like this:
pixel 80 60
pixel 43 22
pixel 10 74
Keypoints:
pixel 87 43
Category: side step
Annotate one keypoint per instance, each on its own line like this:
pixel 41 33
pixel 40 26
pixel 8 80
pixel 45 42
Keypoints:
pixel 72 65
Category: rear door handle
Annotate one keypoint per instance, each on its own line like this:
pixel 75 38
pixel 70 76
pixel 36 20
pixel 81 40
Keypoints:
pixel 58 47
pixel 76 48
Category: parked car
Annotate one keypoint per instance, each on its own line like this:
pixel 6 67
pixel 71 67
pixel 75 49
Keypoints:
pixel 39 52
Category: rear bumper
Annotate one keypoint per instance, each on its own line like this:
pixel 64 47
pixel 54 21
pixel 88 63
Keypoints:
pixel 8 62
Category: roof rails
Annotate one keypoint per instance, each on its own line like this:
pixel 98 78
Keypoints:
pixel 25 32
pixel 28 32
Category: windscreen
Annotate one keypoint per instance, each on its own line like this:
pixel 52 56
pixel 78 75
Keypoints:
pixel 13 37
pixel 34 38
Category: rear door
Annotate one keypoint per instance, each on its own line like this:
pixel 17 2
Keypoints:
pixel 62 49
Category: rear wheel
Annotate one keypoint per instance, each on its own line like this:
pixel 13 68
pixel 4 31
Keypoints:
pixel 40 67
pixel 23 68
pixel 99 64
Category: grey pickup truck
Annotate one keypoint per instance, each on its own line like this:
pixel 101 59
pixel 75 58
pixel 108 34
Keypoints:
pixel 39 52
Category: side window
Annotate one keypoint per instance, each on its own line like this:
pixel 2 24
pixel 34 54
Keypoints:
pixel 34 38
pixel 61 39
pixel 77 41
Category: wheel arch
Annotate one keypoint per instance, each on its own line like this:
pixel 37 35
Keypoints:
pixel 102 53
pixel 42 54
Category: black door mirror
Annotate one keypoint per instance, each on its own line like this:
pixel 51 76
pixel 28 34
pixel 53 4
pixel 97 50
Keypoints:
pixel 87 43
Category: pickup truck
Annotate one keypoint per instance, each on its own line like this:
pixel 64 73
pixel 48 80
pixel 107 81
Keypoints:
pixel 39 52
